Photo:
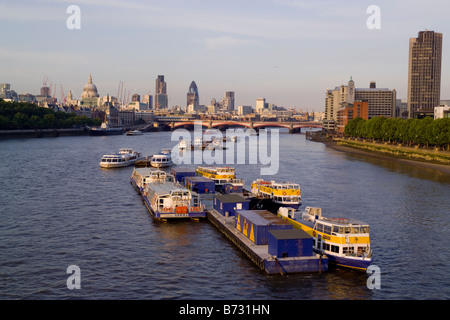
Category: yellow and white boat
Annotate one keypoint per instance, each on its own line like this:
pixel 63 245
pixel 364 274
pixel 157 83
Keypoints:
pixel 346 242
pixel 220 175
pixel 286 194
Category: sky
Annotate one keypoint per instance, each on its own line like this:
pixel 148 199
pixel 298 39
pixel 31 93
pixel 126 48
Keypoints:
pixel 287 51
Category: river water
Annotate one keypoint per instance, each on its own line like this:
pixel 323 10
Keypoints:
pixel 59 208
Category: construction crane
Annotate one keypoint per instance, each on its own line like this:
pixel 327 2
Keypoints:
pixel 118 90
pixel 54 92
pixel 63 97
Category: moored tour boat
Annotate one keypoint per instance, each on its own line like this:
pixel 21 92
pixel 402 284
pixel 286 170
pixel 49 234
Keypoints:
pixel 140 177
pixel 284 194
pixel 161 159
pixel 172 201
pixel 105 130
pixel 125 157
pixel 220 175
pixel 346 242
pixel 134 133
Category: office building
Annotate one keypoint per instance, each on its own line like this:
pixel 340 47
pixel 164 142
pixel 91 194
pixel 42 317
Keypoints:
pixel 192 95
pixel 161 99
pixel 424 74
pixel 337 97
pixel 229 101
pixel 382 101
pixel 359 108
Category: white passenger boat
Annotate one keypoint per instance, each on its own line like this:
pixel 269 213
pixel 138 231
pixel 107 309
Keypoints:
pixel 140 177
pixel 125 157
pixel 172 201
pixel 281 193
pixel 134 133
pixel 162 159
pixel 346 242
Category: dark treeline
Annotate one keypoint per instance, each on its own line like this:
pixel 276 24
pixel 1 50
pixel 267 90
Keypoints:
pixel 23 115
pixel 426 131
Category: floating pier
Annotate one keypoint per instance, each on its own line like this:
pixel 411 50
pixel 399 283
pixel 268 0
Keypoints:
pixel 272 244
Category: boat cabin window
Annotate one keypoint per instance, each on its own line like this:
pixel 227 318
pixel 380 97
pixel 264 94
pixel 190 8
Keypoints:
pixel 319 227
pixel 355 229
pixel 327 229
pixel 364 229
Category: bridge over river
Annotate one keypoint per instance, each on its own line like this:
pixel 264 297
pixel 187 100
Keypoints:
pixel 170 123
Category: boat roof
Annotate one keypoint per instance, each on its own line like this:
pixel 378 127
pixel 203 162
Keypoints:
pixel 344 222
pixel 262 217
pixel 160 154
pixel 182 169
pixel 147 171
pixel 117 155
pixel 214 167
pixel 231 198
pixel 166 188
pixel 275 182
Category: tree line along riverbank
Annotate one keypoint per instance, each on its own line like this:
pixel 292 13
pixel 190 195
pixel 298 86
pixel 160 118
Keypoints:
pixel 28 116
pixel 411 132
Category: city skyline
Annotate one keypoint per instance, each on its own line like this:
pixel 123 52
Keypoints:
pixel 288 52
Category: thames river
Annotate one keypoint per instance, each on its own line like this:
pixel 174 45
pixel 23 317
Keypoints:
pixel 59 208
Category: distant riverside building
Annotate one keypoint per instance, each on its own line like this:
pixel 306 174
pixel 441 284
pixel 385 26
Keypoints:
pixel 229 101
pixel 260 105
pixel 192 95
pixel 70 99
pixel 6 93
pixel 424 73
pixel 44 97
pixel 161 99
pixel 90 96
pixel 359 108
pixel 382 101
pixel 148 99
pixel 401 109
pixel 244 110
pixel 442 111
pixel 336 97
pixel 27 97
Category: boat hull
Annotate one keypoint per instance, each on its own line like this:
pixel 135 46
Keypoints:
pixel 360 264
pixel 105 132
pixel 160 165
pixel 117 165
pixel 157 215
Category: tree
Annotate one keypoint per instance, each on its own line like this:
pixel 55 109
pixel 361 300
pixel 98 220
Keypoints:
pixel 352 126
pixel 21 120
pixel 49 121
pixel 441 132
pixel 423 131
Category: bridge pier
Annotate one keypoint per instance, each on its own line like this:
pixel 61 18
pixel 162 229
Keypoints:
pixel 294 130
